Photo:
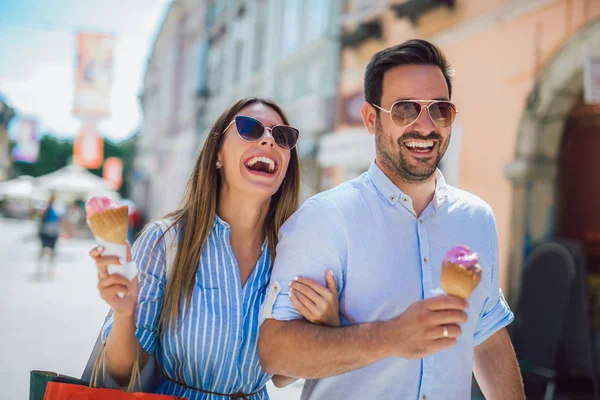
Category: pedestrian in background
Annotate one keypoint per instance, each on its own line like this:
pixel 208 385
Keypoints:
pixel 49 231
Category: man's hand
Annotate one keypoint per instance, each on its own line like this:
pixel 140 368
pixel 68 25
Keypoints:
pixel 426 327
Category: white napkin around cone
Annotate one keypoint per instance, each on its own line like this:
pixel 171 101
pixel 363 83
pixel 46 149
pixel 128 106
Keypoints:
pixel 128 269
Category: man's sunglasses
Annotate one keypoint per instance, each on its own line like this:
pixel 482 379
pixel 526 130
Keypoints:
pixel 406 112
pixel 251 130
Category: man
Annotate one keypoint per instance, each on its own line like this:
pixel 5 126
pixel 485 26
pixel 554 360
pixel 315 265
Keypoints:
pixel 383 236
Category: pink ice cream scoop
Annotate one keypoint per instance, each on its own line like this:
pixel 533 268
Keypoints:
pixel 461 272
pixel 97 204
pixel 462 255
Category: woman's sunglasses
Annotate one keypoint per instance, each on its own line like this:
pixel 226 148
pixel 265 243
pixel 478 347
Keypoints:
pixel 406 112
pixel 251 130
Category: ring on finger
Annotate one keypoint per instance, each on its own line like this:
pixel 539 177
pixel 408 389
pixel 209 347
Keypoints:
pixel 445 332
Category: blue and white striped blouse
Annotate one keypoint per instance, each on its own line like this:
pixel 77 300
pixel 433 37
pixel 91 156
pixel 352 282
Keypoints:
pixel 215 346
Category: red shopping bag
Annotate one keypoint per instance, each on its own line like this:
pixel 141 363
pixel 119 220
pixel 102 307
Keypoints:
pixel 67 391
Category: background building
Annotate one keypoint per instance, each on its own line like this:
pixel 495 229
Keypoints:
pixel 518 87
pixel 519 84
pixel 287 50
pixel 6 114
pixel 207 55
pixel 167 142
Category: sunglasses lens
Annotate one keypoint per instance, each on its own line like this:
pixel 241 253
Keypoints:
pixel 405 112
pixel 249 128
pixel 252 130
pixel 442 113
pixel 286 137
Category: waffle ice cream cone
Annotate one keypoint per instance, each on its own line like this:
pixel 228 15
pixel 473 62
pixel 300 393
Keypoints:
pixel 461 272
pixel 108 221
pixel 110 224
pixel 458 281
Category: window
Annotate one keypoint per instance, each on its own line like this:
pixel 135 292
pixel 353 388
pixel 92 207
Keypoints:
pixel 259 36
pixel 316 19
pixel 450 164
pixel 188 81
pixel 259 47
pixel 313 76
pixel 239 62
pixel 222 6
pixel 291 25
pixel 202 67
pixel 215 9
pixel 211 14
pixel 215 69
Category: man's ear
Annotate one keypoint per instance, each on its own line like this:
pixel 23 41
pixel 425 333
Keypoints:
pixel 369 117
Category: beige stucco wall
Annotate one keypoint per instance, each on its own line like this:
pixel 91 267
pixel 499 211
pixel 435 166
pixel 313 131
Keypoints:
pixel 495 47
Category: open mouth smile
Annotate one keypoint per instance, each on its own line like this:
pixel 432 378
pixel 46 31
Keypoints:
pixel 420 148
pixel 262 165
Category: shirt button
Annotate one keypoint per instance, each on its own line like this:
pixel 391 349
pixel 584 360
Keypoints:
pixel 425 260
pixel 392 198
pixel 404 199
pixel 420 221
pixel 424 397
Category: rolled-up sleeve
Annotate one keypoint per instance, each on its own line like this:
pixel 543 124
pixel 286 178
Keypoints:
pixel 310 243
pixel 149 254
pixel 495 313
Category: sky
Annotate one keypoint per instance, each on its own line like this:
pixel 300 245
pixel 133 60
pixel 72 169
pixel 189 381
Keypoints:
pixel 38 55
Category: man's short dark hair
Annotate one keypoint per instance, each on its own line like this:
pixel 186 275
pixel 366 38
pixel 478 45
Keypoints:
pixel 412 52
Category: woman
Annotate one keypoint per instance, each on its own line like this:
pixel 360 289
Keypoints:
pixel 203 321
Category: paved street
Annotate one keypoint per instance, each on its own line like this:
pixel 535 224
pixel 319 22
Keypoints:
pixel 51 325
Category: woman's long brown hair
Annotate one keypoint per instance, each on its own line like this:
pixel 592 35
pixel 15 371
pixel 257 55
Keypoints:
pixel 198 210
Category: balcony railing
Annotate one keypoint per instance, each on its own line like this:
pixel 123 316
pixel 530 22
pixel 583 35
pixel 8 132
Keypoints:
pixel 363 32
pixel 413 9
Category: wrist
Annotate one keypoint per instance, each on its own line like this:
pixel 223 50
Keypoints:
pixel 127 316
pixel 380 339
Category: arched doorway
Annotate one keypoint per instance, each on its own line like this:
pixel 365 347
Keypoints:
pixel 535 170
pixel 556 170
pixel 578 192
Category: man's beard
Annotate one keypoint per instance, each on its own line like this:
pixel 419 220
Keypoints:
pixel 399 165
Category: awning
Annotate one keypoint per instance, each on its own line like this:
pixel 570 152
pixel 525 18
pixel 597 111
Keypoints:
pixel 73 179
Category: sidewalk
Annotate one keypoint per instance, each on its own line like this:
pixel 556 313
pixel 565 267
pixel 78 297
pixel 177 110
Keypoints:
pixel 52 325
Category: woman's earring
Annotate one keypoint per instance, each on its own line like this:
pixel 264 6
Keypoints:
pixel 219 164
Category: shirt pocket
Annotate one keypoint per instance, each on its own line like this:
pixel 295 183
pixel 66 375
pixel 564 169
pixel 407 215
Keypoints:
pixel 208 296
pixel 207 282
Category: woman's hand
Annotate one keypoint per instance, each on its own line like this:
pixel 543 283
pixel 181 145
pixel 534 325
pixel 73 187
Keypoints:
pixel 316 303
pixel 111 285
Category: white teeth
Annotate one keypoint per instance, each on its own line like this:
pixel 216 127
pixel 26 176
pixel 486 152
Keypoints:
pixel 265 160
pixel 421 144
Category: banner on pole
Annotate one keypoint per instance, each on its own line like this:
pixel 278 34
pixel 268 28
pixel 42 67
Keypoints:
pixel 28 143
pixel 113 172
pixel 94 75
pixel 88 148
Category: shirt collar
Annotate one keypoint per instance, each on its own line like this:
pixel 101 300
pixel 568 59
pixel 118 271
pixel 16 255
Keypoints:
pixel 393 194
pixel 220 223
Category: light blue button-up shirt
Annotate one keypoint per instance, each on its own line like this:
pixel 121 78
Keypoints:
pixel 384 258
